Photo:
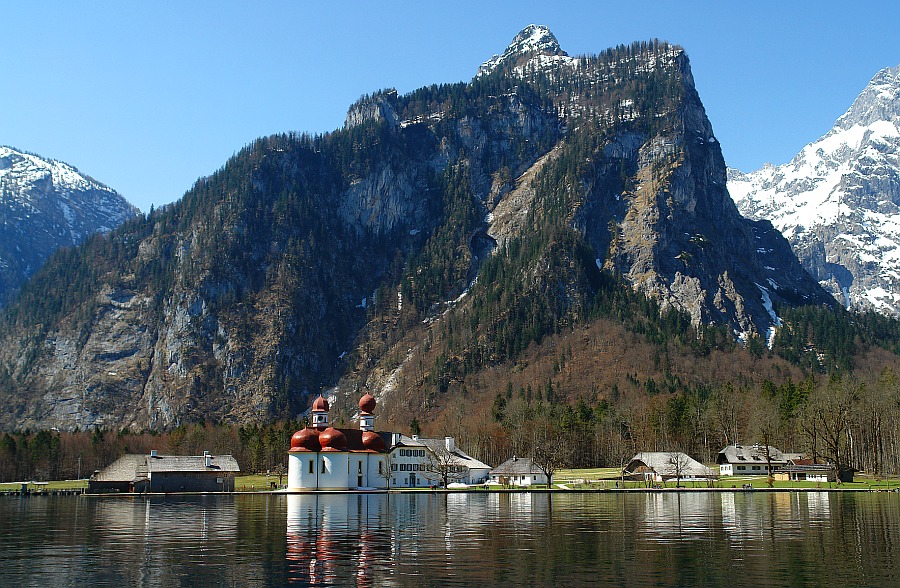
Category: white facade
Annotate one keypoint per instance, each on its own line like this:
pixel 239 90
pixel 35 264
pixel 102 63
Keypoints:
pixel 519 480
pixel 518 471
pixel 335 470
pixel 409 466
pixel 741 469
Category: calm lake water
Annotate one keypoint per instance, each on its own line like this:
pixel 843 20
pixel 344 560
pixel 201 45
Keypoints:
pixel 627 539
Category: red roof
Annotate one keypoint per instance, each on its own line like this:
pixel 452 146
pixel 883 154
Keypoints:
pixel 367 403
pixel 332 439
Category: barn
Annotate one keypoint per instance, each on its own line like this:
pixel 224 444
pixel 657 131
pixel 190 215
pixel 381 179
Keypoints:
pixel 167 473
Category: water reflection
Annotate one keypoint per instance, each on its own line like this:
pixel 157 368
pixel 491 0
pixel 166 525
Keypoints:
pixel 334 536
pixel 425 539
pixel 754 515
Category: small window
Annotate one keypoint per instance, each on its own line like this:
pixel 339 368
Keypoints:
pixel 380 467
pixel 323 467
pixel 394 468
pixel 755 467
pixel 311 470
pixel 359 467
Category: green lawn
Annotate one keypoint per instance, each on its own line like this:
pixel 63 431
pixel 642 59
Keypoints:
pixel 44 486
pixel 257 483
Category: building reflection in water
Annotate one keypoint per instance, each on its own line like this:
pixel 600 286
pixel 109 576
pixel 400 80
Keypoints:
pixel 332 537
pixel 157 539
pixel 671 516
pixel 752 515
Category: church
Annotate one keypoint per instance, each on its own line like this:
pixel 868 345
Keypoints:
pixel 323 457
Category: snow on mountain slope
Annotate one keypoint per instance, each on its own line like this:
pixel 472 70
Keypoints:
pixel 534 41
pixel 838 200
pixel 44 205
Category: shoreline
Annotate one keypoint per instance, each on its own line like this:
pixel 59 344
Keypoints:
pixel 448 491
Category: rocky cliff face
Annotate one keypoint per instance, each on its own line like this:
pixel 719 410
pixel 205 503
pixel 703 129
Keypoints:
pixel 45 205
pixel 837 200
pixel 306 260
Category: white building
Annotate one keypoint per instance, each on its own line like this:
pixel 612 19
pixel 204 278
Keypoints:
pixel 751 460
pixel 322 457
pixel 662 466
pixel 419 462
pixel 518 471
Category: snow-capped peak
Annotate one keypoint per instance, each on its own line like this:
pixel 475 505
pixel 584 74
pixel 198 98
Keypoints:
pixel 838 200
pixel 46 204
pixel 532 40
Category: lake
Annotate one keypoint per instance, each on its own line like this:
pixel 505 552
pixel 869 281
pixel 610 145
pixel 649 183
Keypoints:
pixel 663 538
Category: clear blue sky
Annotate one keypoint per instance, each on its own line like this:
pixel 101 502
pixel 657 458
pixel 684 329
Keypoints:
pixel 148 96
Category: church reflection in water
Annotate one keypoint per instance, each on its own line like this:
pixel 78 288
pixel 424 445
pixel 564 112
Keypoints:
pixel 332 537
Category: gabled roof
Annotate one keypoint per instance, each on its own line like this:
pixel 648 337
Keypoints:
pixel 516 466
pixel 460 457
pixel 663 463
pixel 133 467
pixel 750 454
pixel 192 463
pixel 128 468
pixel 434 445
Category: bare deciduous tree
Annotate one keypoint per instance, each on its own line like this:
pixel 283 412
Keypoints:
pixel 443 466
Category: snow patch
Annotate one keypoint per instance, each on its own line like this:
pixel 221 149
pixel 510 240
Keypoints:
pixel 776 321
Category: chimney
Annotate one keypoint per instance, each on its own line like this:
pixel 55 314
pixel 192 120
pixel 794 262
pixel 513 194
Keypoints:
pixel 208 458
pixel 153 453
pixel 450 443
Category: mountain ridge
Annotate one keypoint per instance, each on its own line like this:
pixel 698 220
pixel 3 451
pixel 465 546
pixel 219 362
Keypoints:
pixel 437 233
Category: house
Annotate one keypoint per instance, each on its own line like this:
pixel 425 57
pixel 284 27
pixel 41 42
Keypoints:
pixel 167 473
pixel 751 460
pixel 518 471
pixel 322 457
pixel 434 459
pixel 662 466
pixel 804 470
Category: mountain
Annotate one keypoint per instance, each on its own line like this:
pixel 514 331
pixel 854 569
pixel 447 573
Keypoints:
pixel 45 205
pixel 838 200
pixel 438 235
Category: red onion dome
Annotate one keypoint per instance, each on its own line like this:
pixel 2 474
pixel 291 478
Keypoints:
pixel 320 404
pixel 332 440
pixel 305 440
pixel 372 440
pixel 367 403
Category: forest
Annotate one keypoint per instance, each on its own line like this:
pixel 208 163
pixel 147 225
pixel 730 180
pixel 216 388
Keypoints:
pixel 850 420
